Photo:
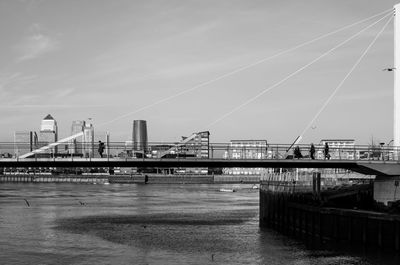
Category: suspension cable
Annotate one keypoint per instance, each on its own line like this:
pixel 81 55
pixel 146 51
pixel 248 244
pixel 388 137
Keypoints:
pixel 292 74
pixel 344 79
pixel 240 69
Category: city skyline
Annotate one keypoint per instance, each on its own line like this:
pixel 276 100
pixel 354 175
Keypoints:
pixel 81 60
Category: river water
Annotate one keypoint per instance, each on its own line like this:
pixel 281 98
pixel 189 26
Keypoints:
pixel 147 224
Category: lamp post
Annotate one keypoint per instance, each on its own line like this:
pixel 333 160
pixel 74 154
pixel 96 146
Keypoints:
pixel 382 155
pixel 388 150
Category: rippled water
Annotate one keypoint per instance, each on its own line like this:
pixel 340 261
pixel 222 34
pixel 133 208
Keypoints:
pixel 146 224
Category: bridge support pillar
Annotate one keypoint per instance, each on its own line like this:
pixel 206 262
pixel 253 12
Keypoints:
pixel 396 116
pixel 316 183
pixel 386 189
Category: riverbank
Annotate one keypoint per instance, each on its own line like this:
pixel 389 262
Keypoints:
pixel 143 178
pixel 344 215
pixel 326 178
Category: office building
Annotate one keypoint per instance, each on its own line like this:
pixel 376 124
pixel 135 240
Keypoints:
pixel 24 142
pixel 88 140
pixel 197 146
pixel 76 145
pixel 246 149
pixel 139 137
pixel 48 133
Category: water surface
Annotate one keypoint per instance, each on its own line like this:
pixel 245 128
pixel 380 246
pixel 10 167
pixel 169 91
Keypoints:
pixel 147 224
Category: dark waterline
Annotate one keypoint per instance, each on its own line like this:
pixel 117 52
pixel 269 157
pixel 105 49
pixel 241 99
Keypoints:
pixel 147 224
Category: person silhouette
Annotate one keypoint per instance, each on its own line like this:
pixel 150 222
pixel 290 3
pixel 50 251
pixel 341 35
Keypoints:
pixel 101 148
pixel 312 151
pixel 326 151
pixel 297 153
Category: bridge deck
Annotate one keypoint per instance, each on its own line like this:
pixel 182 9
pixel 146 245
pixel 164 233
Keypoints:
pixel 388 168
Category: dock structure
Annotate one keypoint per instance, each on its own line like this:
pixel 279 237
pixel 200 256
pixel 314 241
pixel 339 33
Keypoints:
pixel 334 216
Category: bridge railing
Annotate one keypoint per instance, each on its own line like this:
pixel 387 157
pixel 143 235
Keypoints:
pixel 196 150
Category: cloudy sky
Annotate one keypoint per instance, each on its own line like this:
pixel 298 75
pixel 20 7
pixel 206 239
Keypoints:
pixel 161 61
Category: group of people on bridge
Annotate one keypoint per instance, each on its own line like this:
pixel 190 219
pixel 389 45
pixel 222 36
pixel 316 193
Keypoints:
pixel 297 152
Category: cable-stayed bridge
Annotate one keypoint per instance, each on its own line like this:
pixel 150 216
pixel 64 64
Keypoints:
pixel 363 158
pixel 369 160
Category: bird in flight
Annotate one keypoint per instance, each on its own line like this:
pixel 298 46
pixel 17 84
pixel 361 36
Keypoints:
pixel 389 69
pixel 27 203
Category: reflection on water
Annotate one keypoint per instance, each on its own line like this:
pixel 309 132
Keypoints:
pixel 146 224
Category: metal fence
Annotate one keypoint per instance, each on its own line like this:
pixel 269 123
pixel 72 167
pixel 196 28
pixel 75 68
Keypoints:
pixel 162 150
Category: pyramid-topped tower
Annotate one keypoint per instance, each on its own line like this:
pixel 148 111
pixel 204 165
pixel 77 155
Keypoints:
pixel 48 124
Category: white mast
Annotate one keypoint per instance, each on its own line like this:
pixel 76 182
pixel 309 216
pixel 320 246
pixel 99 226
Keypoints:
pixel 396 116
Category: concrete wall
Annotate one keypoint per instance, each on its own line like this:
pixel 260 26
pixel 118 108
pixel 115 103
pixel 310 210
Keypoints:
pixel 386 189
pixel 290 214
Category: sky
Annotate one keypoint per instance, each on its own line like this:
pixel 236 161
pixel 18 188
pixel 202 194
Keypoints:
pixel 166 62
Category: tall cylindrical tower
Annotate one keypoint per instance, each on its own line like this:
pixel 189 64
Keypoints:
pixel 139 135
pixel 396 116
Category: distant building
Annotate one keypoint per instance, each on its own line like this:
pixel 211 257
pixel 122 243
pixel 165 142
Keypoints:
pixel 88 140
pixel 48 132
pixel 49 124
pixel 338 149
pixel 158 149
pixel 139 137
pixel 76 145
pixel 246 149
pixel 24 142
pixel 127 151
pixel 197 145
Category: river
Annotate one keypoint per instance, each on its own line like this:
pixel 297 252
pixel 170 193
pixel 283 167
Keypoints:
pixel 147 224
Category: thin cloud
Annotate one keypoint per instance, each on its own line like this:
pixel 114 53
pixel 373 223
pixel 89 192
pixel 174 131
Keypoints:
pixel 36 44
pixel 62 93
pixel 41 106
pixel 12 81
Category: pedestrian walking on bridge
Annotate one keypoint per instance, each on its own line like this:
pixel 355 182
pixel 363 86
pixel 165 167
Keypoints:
pixel 297 153
pixel 312 151
pixel 101 148
pixel 326 152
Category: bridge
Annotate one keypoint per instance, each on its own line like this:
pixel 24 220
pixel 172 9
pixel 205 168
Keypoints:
pixel 368 160
pixel 380 160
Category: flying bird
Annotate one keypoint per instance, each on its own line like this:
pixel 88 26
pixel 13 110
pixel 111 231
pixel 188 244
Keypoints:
pixel 82 203
pixel 389 69
pixel 27 203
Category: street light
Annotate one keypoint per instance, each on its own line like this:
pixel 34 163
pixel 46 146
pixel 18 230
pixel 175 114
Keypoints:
pixel 382 149
pixel 391 141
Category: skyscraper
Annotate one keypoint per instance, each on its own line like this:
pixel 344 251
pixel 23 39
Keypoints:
pixel 88 140
pixel 24 142
pixel 48 132
pixel 139 136
pixel 76 145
